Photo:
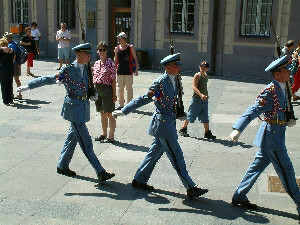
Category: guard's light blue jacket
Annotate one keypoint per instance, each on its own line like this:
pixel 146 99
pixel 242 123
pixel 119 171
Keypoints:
pixel 263 104
pixel 163 122
pixel 74 109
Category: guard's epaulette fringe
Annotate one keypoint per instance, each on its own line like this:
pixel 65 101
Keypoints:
pixel 276 106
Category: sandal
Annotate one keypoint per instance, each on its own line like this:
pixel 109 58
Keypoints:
pixel 109 140
pixel 101 138
pixel 295 98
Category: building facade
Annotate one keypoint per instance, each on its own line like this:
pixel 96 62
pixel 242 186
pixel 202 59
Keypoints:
pixel 235 36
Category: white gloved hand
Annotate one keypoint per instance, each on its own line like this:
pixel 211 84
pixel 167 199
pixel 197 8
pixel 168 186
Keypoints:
pixel 94 98
pixel 291 123
pixel 59 82
pixel 234 136
pixel 117 113
pixel 22 88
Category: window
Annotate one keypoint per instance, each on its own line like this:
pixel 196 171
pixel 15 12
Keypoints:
pixel 256 16
pixel 66 12
pixel 182 16
pixel 20 11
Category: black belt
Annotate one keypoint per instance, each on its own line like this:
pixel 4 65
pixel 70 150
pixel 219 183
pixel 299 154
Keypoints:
pixel 166 112
pixel 71 95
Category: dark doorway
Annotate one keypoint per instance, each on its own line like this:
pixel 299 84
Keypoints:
pixel 121 20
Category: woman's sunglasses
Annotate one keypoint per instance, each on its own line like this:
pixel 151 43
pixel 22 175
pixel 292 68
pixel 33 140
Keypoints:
pixel 102 50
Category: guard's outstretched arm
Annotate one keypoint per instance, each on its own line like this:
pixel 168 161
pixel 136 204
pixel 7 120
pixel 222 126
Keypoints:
pixel 152 94
pixel 39 82
pixel 263 103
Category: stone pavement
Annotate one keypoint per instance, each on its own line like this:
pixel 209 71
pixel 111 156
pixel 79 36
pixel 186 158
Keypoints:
pixel 32 134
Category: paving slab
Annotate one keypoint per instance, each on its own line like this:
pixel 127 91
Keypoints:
pixel 6 218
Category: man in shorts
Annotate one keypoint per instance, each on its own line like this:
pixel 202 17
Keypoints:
pixel 63 36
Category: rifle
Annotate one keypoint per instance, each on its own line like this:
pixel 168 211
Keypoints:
pixel 277 38
pixel 91 88
pixel 171 41
pixel 289 113
pixel 179 106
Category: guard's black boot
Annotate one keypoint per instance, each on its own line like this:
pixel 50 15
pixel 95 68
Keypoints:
pixel 209 135
pixel 103 176
pixel 245 204
pixel 143 186
pixel 66 172
pixel 196 192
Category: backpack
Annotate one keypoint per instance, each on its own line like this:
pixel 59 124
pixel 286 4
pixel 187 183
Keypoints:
pixel 132 62
pixel 21 54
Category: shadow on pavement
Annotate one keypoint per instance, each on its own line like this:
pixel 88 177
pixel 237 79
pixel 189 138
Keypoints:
pixel 36 102
pixel 224 210
pixel 124 190
pixel 170 193
pixel 35 76
pixel 31 101
pixel 227 143
pixel 21 106
pixel 29 104
pixel 80 177
pixel 119 191
pixel 131 147
pixel 278 213
pixel 295 103
pixel 219 209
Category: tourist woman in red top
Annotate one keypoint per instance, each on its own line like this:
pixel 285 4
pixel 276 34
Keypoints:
pixel 105 83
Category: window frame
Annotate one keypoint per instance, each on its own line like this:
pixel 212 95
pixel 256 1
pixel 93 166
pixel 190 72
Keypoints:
pixel 70 16
pixel 185 21
pixel 20 17
pixel 258 24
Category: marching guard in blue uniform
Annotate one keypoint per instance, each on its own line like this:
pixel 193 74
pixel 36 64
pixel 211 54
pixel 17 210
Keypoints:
pixel 163 127
pixel 275 104
pixel 76 109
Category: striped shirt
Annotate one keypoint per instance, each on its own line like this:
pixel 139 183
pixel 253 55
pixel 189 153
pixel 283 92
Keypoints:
pixel 104 73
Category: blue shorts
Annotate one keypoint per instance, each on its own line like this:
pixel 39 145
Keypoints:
pixel 198 109
pixel 63 52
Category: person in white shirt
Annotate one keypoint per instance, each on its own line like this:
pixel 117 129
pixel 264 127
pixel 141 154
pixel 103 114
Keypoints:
pixel 36 34
pixel 63 37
